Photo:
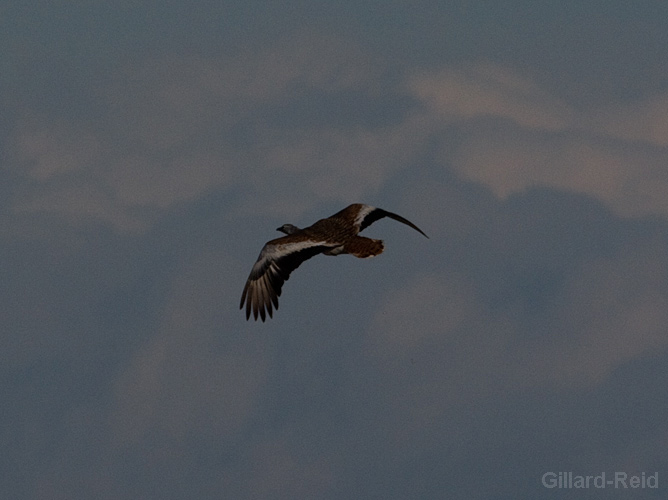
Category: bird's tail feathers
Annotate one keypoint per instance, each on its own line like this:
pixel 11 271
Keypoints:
pixel 363 247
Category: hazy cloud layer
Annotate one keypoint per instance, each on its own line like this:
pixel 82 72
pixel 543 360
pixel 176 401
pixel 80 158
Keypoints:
pixel 147 155
pixel 175 129
pixel 516 136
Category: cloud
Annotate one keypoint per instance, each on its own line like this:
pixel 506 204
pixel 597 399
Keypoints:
pixel 183 380
pixel 609 314
pixel 526 314
pixel 278 471
pixel 284 120
pixel 641 120
pixel 57 150
pixel 490 91
pixel 172 129
pixel 526 333
pixel 514 136
pixel 627 177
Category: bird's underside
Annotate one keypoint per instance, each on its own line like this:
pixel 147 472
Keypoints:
pixel 334 235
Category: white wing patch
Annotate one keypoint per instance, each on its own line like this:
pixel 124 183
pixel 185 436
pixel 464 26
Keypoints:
pixel 274 251
pixel 361 215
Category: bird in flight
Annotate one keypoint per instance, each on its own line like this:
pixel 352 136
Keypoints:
pixel 334 235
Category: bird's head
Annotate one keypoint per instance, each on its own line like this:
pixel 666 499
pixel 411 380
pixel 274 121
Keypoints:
pixel 288 229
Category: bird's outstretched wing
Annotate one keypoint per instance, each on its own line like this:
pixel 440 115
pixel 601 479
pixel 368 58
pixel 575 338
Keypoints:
pixel 277 260
pixel 368 215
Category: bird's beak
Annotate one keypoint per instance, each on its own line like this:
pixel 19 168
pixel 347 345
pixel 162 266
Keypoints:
pixel 278 229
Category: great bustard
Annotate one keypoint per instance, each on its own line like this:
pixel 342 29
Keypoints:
pixel 331 236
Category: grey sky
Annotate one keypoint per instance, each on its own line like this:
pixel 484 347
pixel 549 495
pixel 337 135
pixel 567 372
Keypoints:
pixel 150 149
